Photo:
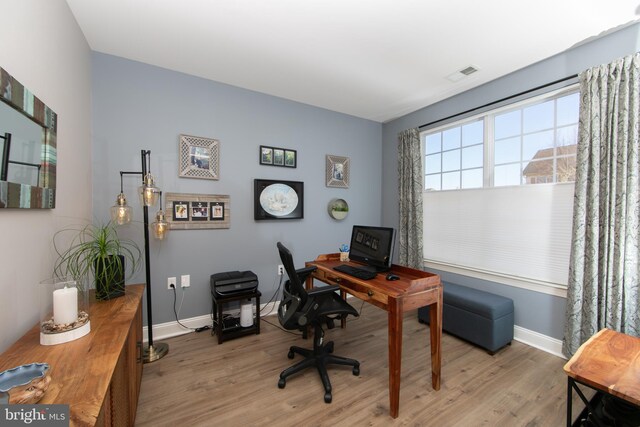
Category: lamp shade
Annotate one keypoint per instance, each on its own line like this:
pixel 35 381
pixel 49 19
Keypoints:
pixel 121 212
pixel 148 191
pixel 160 226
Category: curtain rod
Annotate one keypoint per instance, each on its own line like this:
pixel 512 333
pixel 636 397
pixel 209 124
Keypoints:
pixel 499 100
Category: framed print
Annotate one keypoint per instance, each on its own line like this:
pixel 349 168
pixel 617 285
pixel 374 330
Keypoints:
pixel 275 156
pixel 274 199
pixel 290 158
pixel 278 157
pixel 198 211
pixel 180 209
pixel 266 155
pixel 216 210
pixel 198 157
pixel 337 171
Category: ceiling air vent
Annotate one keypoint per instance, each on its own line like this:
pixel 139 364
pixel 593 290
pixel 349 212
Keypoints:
pixel 459 75
pixel 469 70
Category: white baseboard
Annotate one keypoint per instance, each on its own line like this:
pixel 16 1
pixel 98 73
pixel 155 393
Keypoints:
pixel 173 329
pixel 539 341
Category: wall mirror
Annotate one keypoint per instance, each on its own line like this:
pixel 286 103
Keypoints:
pixel 28 146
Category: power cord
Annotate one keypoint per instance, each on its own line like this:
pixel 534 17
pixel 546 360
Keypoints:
pixel 359 313
pixel 175 300
pixel 298 334
pixel 272 299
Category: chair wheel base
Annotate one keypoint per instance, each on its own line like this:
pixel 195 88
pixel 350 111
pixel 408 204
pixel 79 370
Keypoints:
pixel 327 398
pixel 290 355
pixel 282 382
pixel 356 370
pixel 330 347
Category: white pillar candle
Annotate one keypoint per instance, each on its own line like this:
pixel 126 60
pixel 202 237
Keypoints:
pixel 65 306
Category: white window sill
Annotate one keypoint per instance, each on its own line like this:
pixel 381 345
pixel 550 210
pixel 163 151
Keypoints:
pixel 555 289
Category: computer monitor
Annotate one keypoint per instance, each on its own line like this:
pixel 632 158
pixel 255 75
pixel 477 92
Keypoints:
pixel 372 246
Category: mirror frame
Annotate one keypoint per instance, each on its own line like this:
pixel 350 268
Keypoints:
pixel 14 195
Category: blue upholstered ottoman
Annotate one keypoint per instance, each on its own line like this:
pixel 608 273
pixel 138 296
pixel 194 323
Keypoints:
pixel 479 317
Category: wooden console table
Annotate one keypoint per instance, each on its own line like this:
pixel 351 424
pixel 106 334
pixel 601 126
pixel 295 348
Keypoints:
pixel 414 289
pixel 608 362
pixel 97 375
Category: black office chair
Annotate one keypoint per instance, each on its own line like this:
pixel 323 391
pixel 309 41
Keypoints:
pixel 299 309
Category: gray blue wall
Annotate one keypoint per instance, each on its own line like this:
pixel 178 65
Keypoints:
pixel 138 106
pixel 534 311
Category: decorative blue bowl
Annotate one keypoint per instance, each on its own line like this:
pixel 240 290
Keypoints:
pixel 29 380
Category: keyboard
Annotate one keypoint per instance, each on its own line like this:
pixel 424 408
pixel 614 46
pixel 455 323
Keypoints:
pixel 355 272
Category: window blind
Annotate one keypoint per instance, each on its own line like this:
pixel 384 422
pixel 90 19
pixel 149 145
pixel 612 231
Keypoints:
pixel 521 231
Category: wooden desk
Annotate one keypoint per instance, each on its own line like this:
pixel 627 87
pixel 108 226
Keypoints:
pixel 608 362
pixel 97 375
pixel 415 289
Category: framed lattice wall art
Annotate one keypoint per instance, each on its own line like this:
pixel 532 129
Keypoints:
pixel 199 157
pixel 337 171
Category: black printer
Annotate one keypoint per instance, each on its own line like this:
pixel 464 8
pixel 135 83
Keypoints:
pixel 231 282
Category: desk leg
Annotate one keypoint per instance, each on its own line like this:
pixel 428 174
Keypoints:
pixel 435 329
pixel 395 355
pixel 569 401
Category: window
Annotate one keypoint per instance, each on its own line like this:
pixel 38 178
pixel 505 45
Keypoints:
pixel 530 143
pixel 454 157
pixel 496 226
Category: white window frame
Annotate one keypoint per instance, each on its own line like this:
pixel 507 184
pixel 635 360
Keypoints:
pixel 555 286
pixel 488 126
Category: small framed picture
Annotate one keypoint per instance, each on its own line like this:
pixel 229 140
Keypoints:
pixel 290 158
pixel 216 210
pixel 266 155
pixel 199 211
pixel 199 157
pixel 337 171
pixel 276 156
pixel 180 210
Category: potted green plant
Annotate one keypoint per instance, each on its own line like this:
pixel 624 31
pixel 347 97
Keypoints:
pixel 96 250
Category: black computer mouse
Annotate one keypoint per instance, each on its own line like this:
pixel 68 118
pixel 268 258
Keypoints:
pixel 392 276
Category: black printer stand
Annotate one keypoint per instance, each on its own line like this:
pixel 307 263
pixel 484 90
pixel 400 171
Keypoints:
pixel 233 329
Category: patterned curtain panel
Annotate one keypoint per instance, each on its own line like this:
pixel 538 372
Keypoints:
pixel 410 184
pixel 603 276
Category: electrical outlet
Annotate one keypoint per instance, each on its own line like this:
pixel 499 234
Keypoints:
pixel 185 280
pixel 171 281
pixel 280 270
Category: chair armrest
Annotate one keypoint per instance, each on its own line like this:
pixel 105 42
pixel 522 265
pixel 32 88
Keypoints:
pixel 303 273
pixel 322 290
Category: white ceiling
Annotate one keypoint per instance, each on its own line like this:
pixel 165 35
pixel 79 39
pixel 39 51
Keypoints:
pixel 375 59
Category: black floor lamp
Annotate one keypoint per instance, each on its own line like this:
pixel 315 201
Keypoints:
pixel 121 214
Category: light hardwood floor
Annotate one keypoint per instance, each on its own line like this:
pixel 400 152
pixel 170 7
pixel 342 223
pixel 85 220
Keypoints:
pixel 201 383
